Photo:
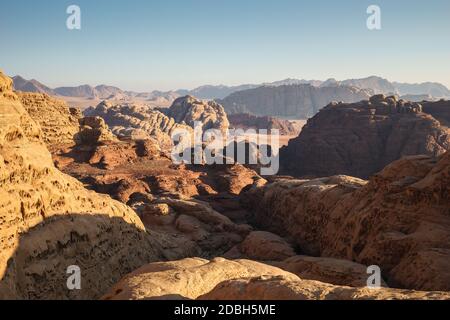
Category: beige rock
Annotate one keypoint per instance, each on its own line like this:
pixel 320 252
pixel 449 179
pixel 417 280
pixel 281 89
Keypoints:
pixel 58 122
pixel 94 130
pixel 334 271
pixel 137 121
pixel 262 245
pixel 186 279
pixel 189 110
pixel 49 221
pixel 196 278
pixel 282 288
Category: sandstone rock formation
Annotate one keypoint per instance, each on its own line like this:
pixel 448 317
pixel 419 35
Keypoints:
pixel 296 101
pixel 186 279
pixel 334 271
pixel 360 139
pixel 249 121
pixel 238 280
pixel 58 122
pixel 440 110
pixel 173 201
pixel 399 220
pixel 188 110
pixel 261 245
pixel 189 228
pixel 282 288
pixel 49 221
pixel 94 130
pixel 136 121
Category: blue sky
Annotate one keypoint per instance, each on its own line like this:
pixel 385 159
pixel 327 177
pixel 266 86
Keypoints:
pixel 145 45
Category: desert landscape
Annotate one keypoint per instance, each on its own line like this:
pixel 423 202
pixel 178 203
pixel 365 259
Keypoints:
pixel 128 172
pixel 97 188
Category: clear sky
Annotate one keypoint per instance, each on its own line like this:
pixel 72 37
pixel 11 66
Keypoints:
pixel 171 44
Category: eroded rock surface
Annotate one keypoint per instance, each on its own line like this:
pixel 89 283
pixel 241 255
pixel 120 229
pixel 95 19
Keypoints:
pixel 360 139
pixel 239 280
pixel 58 122
pixel 262 245
pixel 329 270
pixel 189 110
pixel 49 221
pixel 282 288
pixel 134 121
pixel 399 220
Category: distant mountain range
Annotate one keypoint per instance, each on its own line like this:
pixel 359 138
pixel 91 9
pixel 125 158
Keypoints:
pixel 376 84
pixel 31 86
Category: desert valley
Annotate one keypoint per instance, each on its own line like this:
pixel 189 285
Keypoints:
pixel 364 181
pixel 222 159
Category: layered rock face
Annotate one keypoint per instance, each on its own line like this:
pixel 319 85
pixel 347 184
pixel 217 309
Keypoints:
pixel 248 121
pixel 222 279
pixel 296 101
pixel 58 122
pixel 49 221
pixel 399 220
pixel 360 139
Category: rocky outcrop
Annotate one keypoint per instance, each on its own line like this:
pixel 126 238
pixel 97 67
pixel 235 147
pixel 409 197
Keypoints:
pixel 186 279
pixel 360 139
pixel 296 101
pixel 249 121
pixel 93 130
pixel 282 288
pixel 189 228
pixel 188 110
pixel 263 246
pixel 163 194
pixel 49 221
pixel 440 110
pixel 399 220
pixel 62 125
pixel 58 122
pixel 222 279
pixel 334 271
pixel 137 121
